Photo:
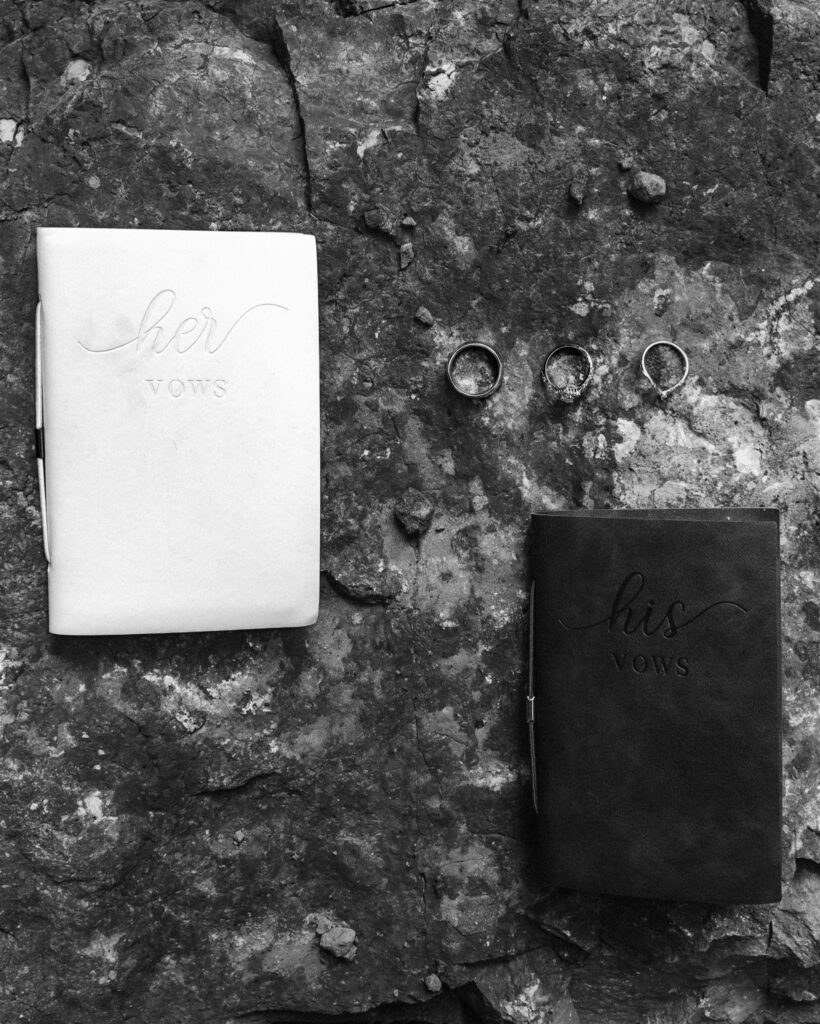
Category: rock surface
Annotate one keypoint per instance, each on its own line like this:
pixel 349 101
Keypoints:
pixel 375 764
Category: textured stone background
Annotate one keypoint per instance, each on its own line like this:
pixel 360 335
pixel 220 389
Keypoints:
pixel 186 818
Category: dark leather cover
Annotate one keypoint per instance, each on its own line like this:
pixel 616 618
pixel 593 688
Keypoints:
pixel 656 672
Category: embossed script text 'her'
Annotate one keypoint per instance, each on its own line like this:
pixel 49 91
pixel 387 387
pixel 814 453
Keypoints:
pixel 630 612
pixel 162 329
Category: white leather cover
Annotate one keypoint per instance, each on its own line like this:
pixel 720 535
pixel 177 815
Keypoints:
pixel 180 378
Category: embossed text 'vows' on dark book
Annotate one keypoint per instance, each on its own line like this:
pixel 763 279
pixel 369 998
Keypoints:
pixel 178 385
pixel 657 702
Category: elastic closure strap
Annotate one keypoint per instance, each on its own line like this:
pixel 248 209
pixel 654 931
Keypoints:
pixel 39 435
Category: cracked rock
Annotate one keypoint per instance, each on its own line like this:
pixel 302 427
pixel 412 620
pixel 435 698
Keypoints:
pixel 354 559
pixel 787 981
pixel 361 580
pixel 736 997
pixel 339 941
pixel 796 931
pixel 571 916
pixel 646 187
pixel 414 513
pixel 527 989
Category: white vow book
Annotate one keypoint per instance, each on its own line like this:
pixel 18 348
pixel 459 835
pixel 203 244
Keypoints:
pixel 178 389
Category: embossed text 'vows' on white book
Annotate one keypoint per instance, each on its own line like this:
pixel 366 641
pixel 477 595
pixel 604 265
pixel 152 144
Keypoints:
pixel 179 382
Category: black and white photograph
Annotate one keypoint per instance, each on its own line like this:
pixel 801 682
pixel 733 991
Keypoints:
pixel 409 512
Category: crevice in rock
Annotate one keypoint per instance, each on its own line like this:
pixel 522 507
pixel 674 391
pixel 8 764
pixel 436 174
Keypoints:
pixel 474 999
pixel 761 25
pixel 24 124
pixel 265 28
pixel 507 40
pixel 25 77
pixel 503 958
pixel 240 786
pixel 420 873
pixel 420 85
pixel 451 1006
pixel 356 8
pixel 281 51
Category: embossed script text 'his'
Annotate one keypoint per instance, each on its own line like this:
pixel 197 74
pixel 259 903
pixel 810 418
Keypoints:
pixel 630 613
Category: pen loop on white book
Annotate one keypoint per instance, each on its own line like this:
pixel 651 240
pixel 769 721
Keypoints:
pixel 531 702
pixel 39 436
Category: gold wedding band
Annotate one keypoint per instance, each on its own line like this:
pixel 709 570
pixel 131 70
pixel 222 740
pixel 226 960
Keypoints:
pixel 475 370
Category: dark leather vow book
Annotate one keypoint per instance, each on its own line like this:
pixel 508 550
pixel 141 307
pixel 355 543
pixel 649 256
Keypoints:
pixel 657 702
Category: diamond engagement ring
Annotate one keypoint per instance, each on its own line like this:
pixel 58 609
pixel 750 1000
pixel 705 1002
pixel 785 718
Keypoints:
pixel 561 372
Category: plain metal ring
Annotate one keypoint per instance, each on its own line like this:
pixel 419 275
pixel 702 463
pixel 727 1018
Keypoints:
pixel 665 392
pixel 499 374
pixel 568 392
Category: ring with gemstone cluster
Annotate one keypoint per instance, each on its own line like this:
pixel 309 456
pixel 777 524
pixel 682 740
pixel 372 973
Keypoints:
pixel 661 366
pixel 475 370
pixel 565 381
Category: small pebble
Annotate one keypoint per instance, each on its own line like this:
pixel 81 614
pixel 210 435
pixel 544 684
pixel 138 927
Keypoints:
pixel 406 255
pixel 432 983
pixel 375 217
pixel 626 163
pixel 408 222
pixel 646 187
pixel 340 942
pixel 578 186
pixel 424 316
pixel 812 408
pixel 414 512
pixel 239 837
pixel 77 71
pixel 320 922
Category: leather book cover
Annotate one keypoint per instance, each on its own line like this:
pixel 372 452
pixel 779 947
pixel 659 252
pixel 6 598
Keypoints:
pixel 657 702
pixel 179 389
